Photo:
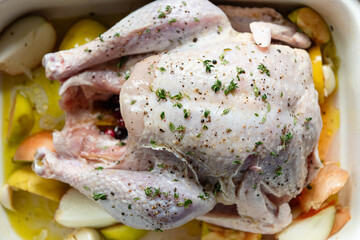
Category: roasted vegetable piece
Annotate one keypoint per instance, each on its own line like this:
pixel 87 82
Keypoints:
pixel 312 24
pixel 24 43
pixel 84 234
pixel 311 227
pixel 123 232
pixel 212 232
pixel 25 179
pixel 317 66
pixel 76 211
pixel 80 33
pixel 28 147
pixel 21 117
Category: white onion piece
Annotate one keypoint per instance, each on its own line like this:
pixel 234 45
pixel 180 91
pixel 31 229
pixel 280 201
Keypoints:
pixel 37 96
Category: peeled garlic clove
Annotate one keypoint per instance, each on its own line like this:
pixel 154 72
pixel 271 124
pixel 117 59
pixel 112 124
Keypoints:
pixel 329 80
pixel 6 194
pixel 84 234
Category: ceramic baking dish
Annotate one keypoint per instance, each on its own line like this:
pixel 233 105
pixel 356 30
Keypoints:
pixel 342 15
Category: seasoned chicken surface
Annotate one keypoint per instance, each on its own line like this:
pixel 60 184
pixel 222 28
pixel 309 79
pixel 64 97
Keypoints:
pixel 220 128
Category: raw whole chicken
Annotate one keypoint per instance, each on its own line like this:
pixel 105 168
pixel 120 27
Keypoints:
pixel 220 128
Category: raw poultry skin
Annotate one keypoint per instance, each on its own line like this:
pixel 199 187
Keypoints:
pixel 242 148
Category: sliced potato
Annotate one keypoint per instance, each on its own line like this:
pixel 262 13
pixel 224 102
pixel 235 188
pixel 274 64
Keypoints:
pixel 24 43
pixel 84 234
pixel 27 149
pixel 21 117
pixel 77 211
pixel 123 232
pixel 314 227
pixel 80 33
pixel 212 232
pixel 312 24
pixel 25 179
pixel 6 196
pixel 317 66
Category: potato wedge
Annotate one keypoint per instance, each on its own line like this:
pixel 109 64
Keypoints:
pixel 25 179
pixel 80 33
pixel 123 232
pixel 24 43
pixel 27 148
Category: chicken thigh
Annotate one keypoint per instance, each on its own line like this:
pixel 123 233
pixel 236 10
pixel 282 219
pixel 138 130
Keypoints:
pixel 220 128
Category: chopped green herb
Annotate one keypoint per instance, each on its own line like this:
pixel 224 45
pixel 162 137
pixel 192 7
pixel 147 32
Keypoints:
pixel 100 37
pixel 133 102
pixel 161 165
pixel 153 143
pixel 217 188
pixel 86 188
pixel 172 21
pixel 263 120
pixel 286 139
pixel 268 107
pixel 263 69
pixel 152 192
pixel 255 185
pixel 161 93
pixel 121 62
pixel 99 168
pixel 186 113
pixel 136 199
pixel 117 35
pixel 236 162
pixel 258 143
pixel 264 97
pixel 239 70
pixel 220 28
pixel 179 105
pixel 127 75
pixel 99 196
pixel 147 30
pixel 162 69
pixel 129 206
pixel 161 15
pixel 217 86
pixel 172 126
pixel 274 154
pixel 222 59
pixel 256 114
pixel 199 135
pixel 308 119
pixel 196 19
pixel 87 50
pixel 208 66
pixel 226 111
pixel 162 115
pixel 231 88
pixel 256 91
pixel 278 171
pixel 158 230
pixel 176 195
pixel 168 9
pixel 186 203
pixel 181 129
pixel 281 95
pixel 184 3
pixel 206 113
pixel 228 130
pixel 204 196
pixel 178 96
pixel 205 127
